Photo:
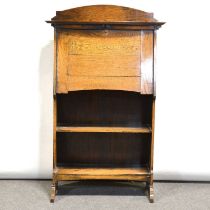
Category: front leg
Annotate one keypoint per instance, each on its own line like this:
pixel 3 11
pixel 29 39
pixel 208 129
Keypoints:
pixel 151 193
pixel 52 193
pixel 54 188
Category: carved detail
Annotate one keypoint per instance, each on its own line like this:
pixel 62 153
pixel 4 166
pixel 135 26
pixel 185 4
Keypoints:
pixel 91 47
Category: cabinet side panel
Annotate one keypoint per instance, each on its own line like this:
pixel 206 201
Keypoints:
pixel 154 61
pixel 54 100
pixel 62 59
pixel 152 141
pixel 54 131
pixel 147 62
pixel 55 63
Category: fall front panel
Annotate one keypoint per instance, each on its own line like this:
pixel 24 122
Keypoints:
pixel 107 59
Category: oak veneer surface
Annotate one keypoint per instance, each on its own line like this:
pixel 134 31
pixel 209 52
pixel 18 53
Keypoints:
pixel 98 60
pixel 99 53
pixel 107 59
pixel 101 14
pixel 147 62
pixel 104 129
pixel 102 83
pixel 103 171
pixel 138 174
pixel 132 174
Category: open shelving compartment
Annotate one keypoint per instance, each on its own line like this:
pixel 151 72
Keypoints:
pixel 108 130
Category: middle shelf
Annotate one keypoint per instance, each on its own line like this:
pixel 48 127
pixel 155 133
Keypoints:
pixel 101 129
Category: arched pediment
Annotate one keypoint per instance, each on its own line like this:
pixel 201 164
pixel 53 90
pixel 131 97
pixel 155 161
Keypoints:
pixel 104 14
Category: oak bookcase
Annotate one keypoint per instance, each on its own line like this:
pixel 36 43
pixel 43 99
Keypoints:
pixel 104 95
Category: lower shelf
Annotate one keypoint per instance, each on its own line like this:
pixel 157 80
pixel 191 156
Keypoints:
pixel 138 174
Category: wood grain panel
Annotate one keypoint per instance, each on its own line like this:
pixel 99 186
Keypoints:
pixel 70 177
pixel 154 62
pixel 146 62
pixel 104 129
pixel 104 171
pixel 98 53
pixel 104 14
pixel 138 174
pixel 104 65
pixel 103 83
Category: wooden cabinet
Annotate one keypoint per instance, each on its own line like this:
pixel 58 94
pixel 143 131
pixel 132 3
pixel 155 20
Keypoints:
pixel 104 94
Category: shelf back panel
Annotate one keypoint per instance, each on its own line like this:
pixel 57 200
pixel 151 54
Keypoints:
pixel 102 149
pixel 104 108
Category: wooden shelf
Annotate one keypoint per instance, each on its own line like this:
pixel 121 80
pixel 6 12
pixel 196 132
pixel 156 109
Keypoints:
pixel 102 173
pixel 91 129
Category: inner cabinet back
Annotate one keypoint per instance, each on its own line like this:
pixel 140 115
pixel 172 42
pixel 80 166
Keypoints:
pixel 104 94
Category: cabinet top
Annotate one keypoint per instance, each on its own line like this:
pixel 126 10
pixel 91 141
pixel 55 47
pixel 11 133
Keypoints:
pixel 104 14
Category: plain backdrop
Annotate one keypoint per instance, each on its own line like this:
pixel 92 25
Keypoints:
pixel 182 138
